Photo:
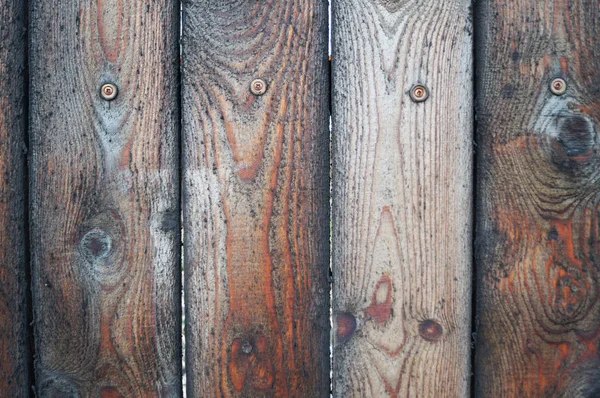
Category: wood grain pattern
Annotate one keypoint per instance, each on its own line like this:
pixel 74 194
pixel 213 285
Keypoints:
pixel 14 335
pixel 402 198
pixel 256 217
pixel 105 198
pixel 538 227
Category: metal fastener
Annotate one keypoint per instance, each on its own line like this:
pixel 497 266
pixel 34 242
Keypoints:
pixel 419 93
pixel 246 347
pixel 558 86
pixel 258 87
pixel 109 91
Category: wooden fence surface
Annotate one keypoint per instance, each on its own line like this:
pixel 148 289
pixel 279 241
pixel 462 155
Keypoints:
pixel 104 198
pixel 131 128
pixel 255 197
pixel 15 353
pixel 402 173
pixel 538 225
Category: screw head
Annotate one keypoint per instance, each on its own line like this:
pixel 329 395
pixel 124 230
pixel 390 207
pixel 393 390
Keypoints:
pixel 258 87
pixel 419 93
pixel 108 91
pixel 558 86
pixel 246 347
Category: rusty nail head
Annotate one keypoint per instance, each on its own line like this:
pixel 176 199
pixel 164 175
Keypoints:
pixel 558 86
pixel 419 93
pixel 258 87
pixel 108 91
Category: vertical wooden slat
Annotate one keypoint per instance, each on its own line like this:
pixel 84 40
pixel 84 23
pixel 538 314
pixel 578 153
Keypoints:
pixel 402 202
pixel 538 208
pixel 14 349
pixel 104 207
pixel 255 177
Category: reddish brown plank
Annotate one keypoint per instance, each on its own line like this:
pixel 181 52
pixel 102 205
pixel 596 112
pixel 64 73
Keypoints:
pixel 402 198
pixel 538 208
pixel 256 215
pixel 105 198
pixel 14 337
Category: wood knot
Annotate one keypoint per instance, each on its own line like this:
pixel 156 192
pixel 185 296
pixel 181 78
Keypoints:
pixel 101 244
pixel 95 245
pixel 574 143
pixel 576 135
pixel 345 326
pixel 251 364
pixel 430 330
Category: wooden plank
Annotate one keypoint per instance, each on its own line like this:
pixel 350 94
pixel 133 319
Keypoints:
pixel 255 180
pixel 537 243
pixel 402 202
pixel 104 208
pixel 15 358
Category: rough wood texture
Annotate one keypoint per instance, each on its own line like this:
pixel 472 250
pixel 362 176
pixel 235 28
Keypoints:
pixel 538 225
pixel 256 218
pixel 14 336
pixel 104 198
pixel 402 198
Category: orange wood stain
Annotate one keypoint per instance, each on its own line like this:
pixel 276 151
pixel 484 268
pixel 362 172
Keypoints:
pixel 381 302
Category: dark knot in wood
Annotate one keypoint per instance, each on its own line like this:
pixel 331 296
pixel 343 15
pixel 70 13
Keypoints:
pixel 95 245
pixel 345 326
pixel 430 330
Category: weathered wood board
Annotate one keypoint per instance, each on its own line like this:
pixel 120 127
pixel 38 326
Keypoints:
pixel 15 358
pixel 104 198
pixel 402 198
pixel 255 198
pixel 538 191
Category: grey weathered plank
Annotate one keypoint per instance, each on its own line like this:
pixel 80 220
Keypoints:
pixel 538 245
pixel 255 181
pixel 104 198
pixel 14 336
pixel 402 184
